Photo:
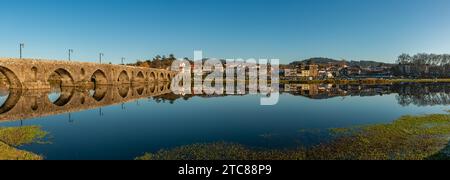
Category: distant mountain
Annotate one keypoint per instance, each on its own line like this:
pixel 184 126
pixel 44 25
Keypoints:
pixel 316 60
pixel 324 61
pixel 369 63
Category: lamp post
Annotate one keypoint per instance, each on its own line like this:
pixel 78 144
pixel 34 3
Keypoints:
pixel 101 55
pixel 70 118
pixel 21 46
pixel 123 59
pixel 70 53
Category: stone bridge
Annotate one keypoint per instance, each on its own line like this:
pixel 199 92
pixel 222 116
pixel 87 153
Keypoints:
pixel 37 74
pixel 28 104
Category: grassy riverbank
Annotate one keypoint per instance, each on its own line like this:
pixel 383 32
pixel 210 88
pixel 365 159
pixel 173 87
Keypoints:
pixel 11 138
pixel 367 81
pixel 407 138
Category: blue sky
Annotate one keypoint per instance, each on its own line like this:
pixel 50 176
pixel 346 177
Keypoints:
pixel 285 29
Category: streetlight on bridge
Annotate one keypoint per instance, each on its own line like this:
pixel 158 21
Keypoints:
pixel 101 55
pixel 70 53
pixel 21 46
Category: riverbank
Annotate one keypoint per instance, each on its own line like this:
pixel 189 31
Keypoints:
pixel 407 138
pixel 13 137
pixel 365 81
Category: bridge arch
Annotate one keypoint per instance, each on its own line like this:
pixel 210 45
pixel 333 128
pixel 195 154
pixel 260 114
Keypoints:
pixel 65 96
pixel 34 72
pixel 34 104
pixel 99 93
pixel 123 77
pixel 161 76
pixel 140 90
pixel 11 101
pixel 152 89
pixel 83 72
pixel 61 77
pixel 13 80
pixel 99 78
pixel 152 76
pixel 161 88
pixel 123 90
pixel 140 77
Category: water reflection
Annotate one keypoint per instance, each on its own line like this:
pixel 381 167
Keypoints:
pixel 429 94
pixel 60 96
pixel 407 94
pixel 424 95
pixel 4 94
pixel 407 138
pixel 28 104
pixel 99 92
pixel 9 97
pixel 18 104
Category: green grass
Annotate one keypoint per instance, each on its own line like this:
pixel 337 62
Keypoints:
pixel 13 137
pixel 407 138
pixel 9 153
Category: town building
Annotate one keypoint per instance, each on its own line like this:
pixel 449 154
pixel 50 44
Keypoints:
pixel 303 71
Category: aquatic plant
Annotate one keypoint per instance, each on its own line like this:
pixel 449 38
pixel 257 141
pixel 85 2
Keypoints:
pixel 13 137
pixel 9 153
pixel 409 138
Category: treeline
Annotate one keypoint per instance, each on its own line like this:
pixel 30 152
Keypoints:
pixel 423 65
pixel 160 62
pixel 164 62
pixel 328 61
pixel 425 59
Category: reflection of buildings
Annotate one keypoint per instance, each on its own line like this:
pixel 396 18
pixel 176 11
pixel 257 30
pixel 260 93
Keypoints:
pixel 304 71
pixel 316 91
pixel 340 70
pixel 22 104
pixel 417 94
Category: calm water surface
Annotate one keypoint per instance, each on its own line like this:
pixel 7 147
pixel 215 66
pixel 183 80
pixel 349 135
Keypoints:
pixel 148 124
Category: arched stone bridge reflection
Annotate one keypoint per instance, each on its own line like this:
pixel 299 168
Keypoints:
pixel 37 74
pixel 28 104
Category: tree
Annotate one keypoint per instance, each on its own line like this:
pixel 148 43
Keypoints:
pixel 404 59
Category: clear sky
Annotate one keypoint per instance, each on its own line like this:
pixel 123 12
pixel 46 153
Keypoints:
pixel 285 29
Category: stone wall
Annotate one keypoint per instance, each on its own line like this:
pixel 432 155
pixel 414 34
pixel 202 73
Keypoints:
pixel 36 73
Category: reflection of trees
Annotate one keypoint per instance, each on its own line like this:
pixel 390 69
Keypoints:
pixel 171 97
pixel 326 91
pixel 423 95
pixel 408 94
